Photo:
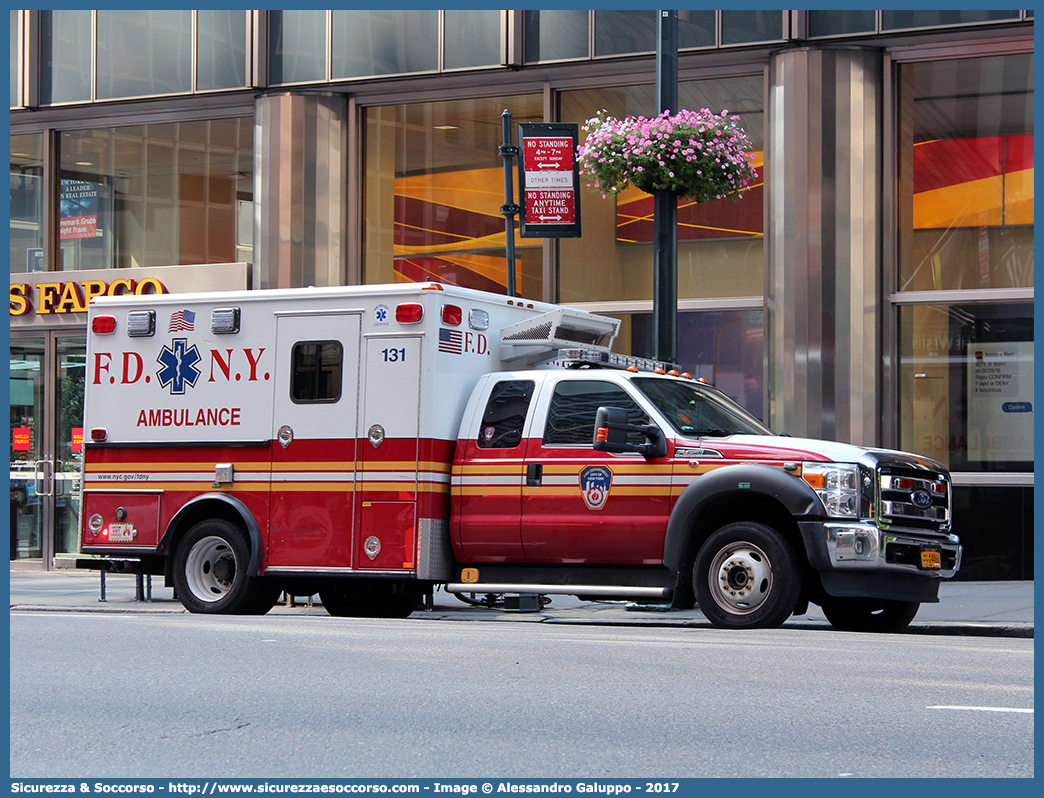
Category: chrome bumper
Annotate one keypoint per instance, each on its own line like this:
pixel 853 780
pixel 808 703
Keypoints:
pixel 864 547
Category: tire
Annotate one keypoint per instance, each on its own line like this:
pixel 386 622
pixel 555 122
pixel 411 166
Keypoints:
pixel 869 615
pixel 210 572
pixel 369 600
pixel 746 576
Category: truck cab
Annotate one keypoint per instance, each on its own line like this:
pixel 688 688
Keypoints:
pixel 606 480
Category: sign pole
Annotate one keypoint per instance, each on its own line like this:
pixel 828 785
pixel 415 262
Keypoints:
pixel 509 209
pixel 665 203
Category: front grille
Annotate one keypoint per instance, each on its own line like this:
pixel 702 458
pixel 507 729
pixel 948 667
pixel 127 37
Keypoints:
pixel 914 497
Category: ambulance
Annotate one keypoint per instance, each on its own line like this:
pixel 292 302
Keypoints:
pixel 372 443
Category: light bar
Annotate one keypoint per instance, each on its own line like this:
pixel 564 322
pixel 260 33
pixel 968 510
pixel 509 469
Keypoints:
pixel 613 360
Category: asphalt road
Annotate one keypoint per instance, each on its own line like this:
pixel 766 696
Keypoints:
pixel 179 696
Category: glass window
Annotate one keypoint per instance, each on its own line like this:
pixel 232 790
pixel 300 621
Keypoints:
pixel 574 404
pixel 434 187
pixel 472 38
pixel 384 42
pixel 966 376
pixel 622 32
pixel 221 50
pixel 26 209
pixel 695 411
pixel 720 243
pixel 155 195
pixel 65 46
pixel 16 55
pixel 316 372
pixel 695 28
pixel 142 53
pixel 742 27
pixel 966 174
pixel 836 23
pixel 72 367
pixel 297 46
pixel 892 19
pixel 505 415
pixel 556 35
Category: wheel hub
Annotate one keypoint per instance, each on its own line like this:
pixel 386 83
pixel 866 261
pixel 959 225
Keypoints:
pixel 741 578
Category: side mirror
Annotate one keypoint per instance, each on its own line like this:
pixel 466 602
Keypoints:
pixel 611 428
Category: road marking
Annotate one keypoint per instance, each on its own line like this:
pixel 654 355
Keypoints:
pixel 986 709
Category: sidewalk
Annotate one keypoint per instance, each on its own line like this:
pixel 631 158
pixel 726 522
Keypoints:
pixel 993 609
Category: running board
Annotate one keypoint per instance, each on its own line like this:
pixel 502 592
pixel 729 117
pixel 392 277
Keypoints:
pixel 614 591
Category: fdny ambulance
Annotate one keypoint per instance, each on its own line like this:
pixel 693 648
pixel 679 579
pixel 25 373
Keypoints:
pixel 369 443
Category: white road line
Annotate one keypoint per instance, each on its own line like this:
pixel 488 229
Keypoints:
pixel 986 709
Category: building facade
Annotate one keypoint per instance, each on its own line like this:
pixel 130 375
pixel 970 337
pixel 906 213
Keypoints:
pixel 875 286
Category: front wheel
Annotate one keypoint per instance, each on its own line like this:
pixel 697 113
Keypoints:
pixel 746 576
pixel 869 615
pixel 210 572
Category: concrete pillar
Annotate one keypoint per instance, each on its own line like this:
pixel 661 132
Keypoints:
pixel 823 239
pixel 300 190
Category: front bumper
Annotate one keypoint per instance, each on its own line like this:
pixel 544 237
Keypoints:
pixel 853 546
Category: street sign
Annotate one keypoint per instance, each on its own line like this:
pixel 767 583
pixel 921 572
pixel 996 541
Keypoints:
pixel 548 180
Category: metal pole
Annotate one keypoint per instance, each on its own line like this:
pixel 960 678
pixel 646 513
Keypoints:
pixel 509 209
pixel 665 223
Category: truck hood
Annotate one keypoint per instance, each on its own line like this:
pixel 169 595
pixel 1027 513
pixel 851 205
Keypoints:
pixel 778 447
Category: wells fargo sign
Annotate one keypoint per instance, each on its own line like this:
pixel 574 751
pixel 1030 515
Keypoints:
pixel 59 299
pixel 72 296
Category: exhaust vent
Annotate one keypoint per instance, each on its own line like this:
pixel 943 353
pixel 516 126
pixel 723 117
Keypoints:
pixel 541 336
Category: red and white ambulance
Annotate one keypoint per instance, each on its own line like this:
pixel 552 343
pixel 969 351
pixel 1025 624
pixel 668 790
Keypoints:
pixel 369 443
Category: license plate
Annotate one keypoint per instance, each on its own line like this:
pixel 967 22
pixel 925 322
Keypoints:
pixel 931 559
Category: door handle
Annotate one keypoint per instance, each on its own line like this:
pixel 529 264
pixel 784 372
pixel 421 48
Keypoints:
pixel 44 479
pixel 534 475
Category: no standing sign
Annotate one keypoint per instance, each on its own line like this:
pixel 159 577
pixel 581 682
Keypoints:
pixel 549 180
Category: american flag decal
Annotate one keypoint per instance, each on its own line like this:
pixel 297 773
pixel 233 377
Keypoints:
pixel 451 341
pixel 182 320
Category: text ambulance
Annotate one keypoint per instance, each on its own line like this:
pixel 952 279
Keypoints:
pixel 368 443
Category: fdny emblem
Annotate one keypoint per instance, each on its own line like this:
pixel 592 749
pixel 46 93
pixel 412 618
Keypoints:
pixel 595 482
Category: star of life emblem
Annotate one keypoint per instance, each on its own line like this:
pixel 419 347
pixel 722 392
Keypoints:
pixel 595 482
pixel 178 363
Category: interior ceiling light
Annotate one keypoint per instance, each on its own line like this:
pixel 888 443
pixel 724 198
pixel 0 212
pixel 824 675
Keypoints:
pixel 447 127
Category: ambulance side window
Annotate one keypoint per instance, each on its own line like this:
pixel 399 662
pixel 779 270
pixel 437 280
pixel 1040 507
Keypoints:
pixel 315 372
pixel 571 417
pixel 505 415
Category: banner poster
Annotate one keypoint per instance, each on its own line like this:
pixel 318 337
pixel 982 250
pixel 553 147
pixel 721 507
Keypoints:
pixel 79 210
pixel 1000 402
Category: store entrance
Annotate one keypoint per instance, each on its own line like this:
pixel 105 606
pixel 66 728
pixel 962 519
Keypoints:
pixel 46 382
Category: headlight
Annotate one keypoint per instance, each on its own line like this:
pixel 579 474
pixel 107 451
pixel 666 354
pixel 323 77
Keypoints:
pixel 837 485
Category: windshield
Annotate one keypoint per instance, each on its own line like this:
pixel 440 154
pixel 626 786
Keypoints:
pixel 696 412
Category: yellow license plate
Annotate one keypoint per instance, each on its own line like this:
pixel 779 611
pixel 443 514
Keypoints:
pixel 931 558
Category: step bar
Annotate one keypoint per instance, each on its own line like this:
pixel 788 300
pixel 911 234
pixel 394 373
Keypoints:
pixel 613 591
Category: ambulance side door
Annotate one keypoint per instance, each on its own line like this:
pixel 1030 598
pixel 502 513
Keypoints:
pixel 584 506
pixel 313 445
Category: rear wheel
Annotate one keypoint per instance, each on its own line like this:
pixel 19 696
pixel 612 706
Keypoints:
pixel 869 615
pixel 210 572
pixel 369 600
pixel 746 576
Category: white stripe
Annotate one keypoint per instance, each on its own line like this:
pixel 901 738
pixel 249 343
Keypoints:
pixel 986 709
pixel 508 479
pixel 657 481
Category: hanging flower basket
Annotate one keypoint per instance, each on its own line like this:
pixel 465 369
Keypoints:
pixel 698 155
